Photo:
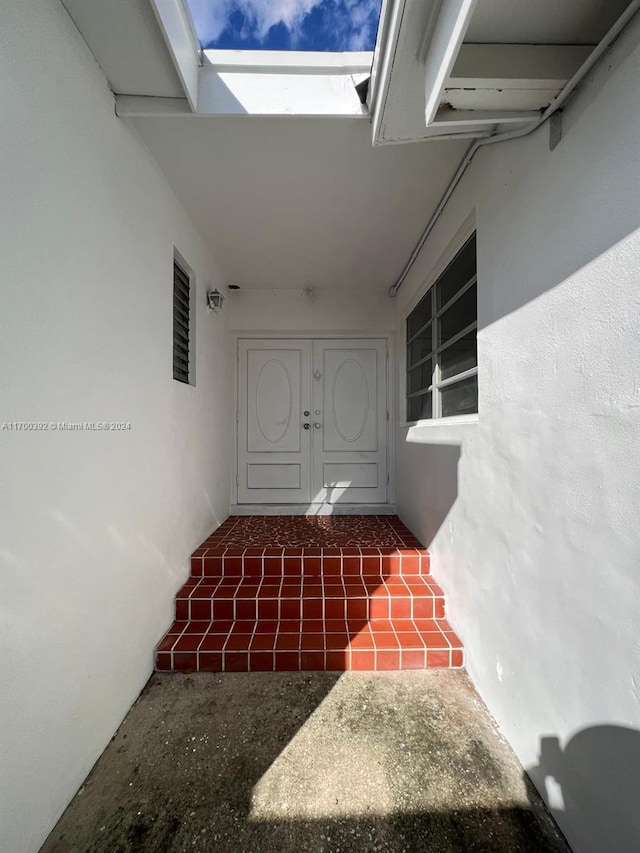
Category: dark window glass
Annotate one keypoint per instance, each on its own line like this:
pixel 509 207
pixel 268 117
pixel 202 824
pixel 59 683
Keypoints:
pixel 461 398
pixel 459 272
pixel 420 315
pixel 419 408
pixel 459 356
pixel 442 336
pixel 463 312
pixel 420 377
pixel 419 347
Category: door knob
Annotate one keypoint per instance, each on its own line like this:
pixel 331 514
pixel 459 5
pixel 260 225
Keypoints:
pixel 317 426
pixel 306 426
pixel 306 414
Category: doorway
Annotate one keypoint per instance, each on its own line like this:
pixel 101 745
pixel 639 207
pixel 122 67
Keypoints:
pixel 312 421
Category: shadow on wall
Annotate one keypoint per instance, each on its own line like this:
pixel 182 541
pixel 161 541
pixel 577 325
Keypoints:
pixel 593 786
pixel 432 497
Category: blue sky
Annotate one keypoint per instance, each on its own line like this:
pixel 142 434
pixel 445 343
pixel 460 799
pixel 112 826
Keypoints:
pixel 286 24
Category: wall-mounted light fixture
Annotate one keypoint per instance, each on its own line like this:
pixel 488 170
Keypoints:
pixel 214 300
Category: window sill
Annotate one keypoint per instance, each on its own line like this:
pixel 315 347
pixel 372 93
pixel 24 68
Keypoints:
pixel 456 420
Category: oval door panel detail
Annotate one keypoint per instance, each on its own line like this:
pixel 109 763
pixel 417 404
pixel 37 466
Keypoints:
pixel 350 400
pixel 274 398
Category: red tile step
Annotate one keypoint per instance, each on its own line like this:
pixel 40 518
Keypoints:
pixel 235 561
pixel 334 604
pixel 314 644
pixel 288 597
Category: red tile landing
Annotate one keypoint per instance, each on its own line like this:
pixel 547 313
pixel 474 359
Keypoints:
pixel 282 593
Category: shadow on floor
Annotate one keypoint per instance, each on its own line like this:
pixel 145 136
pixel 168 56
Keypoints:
pixel 592 787
pixel 294 762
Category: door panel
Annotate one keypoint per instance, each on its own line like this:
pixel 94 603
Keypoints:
pixel 342 456
pixel 273 400
pixel 274 448
pixel 349 436
pixel 349 393
pixel 350 474
pixel 274 475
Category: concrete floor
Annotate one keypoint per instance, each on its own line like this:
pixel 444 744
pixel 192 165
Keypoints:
pixel 293 762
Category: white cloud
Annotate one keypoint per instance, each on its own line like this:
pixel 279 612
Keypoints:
pixel 262 16
pixel 363 16
pixel 211 16
pixel 352 21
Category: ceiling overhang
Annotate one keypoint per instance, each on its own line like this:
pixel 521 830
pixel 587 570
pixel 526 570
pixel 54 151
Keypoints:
pixel 252 83
pixel 426 79
pixel 427 82
pixel 304 202
pixel 265 83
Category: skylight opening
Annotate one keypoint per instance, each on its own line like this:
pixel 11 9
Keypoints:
pixel 297 25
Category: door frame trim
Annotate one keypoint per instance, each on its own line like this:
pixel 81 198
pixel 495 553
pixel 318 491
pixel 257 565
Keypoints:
pixel 312 509
pixel 387 336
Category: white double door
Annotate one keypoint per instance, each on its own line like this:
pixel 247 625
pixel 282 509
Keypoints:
pixel 312 421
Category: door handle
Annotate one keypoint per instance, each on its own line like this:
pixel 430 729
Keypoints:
pixel 306 426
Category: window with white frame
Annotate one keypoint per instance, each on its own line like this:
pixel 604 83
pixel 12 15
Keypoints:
pixel 442 355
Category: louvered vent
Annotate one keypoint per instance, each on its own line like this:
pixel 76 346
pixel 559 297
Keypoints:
pixel 181 307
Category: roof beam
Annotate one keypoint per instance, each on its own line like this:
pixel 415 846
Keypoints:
pixel 507 77
pixel 183 47
pixel 137 106
pixel 389 28
pixel 452 119
pixel 441 47
pixel 290 61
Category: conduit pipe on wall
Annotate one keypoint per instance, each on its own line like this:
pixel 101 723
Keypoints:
pixel 594 57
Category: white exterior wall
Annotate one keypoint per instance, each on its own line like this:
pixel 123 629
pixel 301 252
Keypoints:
pixel 331 310
pixel 532 513
pixel 97 527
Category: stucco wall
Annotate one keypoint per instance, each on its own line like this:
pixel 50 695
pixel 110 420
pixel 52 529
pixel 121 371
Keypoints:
pixel 532 512
pixel 97 527
pixel 329 310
